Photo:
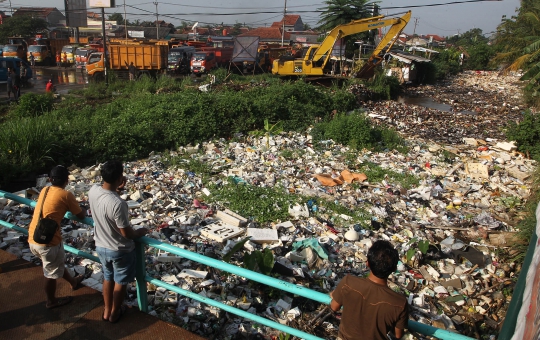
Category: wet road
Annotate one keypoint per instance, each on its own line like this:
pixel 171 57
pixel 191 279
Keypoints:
pixel 64 79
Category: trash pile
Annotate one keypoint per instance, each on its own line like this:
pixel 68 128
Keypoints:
pixel 307 214
pixel 483 103
pixel 449 229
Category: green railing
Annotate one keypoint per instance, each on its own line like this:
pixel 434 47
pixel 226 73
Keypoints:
pixel 142 277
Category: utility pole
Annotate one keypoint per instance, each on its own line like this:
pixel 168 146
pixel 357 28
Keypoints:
pixel 414 33
pixel 157 21
pixel 283 28
pixel 10 8
pixel 125 20
pixel 105 53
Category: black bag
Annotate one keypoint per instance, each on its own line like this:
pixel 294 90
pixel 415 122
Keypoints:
pixel 46 227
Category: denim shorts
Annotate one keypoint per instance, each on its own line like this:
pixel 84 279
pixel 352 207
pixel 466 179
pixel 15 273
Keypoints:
pixel 117 265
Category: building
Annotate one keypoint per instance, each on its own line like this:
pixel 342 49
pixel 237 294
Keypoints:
pixel 51 15
pixel 268 34
pixel 293 22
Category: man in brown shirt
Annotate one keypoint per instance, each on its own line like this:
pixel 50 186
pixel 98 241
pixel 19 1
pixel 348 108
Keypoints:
pixel 370 309
pixel 57 202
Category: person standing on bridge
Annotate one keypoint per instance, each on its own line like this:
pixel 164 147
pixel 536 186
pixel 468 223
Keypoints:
pixel 114 238
pixel 54 202
pixel 58 60
pixel 371 310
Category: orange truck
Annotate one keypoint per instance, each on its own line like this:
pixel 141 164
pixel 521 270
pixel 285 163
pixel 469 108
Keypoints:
pixel 203 62
pixel 149 59
pixel 16 48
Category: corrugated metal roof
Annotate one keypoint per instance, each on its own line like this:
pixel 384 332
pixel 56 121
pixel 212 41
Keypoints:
pixel 408 58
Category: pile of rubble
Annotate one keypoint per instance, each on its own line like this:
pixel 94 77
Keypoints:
pixel 482 105
pixel 451 227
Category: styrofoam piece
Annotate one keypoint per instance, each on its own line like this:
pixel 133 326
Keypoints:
pixel 263 235
pixel 220 232
pixel 198 274
pixel 231 218
pixel 133 204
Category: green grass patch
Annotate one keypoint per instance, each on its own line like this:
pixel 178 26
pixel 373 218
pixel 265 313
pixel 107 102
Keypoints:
pixel 128 120
pixel 356 130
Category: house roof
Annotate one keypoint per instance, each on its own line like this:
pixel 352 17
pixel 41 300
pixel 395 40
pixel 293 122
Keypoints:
pixel 290 20
pixel 435 37
pixel 43 11
pixel 266 33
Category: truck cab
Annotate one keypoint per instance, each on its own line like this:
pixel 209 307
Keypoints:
pixel 14 51
pixel 95 63
pixel 179 58
pixel 42 54
pixel 81 56
pixel 70 52
pixel 203 62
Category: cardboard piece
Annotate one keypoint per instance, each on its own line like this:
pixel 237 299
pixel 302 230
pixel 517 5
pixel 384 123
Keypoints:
pixel 477 170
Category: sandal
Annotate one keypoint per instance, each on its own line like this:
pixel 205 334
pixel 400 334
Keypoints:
pixel 61 302
pixel 122 311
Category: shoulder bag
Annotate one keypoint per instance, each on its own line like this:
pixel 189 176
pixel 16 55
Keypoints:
pixel 46 227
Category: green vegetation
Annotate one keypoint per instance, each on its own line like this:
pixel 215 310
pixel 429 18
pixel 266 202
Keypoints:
pixel 526 134
pixel 356 130
pixel 383 86
pixel 519 41
pixel 128 120
pixel 21 25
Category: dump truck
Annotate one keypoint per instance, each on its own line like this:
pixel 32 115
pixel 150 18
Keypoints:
pixel 179 59
pixel 316 59
pixel 44 50
pixel 147 58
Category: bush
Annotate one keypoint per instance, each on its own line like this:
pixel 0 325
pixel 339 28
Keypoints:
pixel 526 134
pixel 127 120
pixel 356 130
pixel 31 105
pixel 383 86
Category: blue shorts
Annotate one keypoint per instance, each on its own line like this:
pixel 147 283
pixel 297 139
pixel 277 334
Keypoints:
pixel 117 265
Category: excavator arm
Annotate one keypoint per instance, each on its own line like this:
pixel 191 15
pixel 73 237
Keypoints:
pixel 311 64
pixel 389 39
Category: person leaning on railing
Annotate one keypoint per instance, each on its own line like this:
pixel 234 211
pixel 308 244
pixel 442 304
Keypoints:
pixel 57 202
pixel 114 238
pixel 371 310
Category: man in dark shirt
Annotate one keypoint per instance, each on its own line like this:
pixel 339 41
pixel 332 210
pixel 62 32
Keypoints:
pixel 370 309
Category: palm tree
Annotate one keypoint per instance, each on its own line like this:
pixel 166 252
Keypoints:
pixel 339 12
pixel 519 38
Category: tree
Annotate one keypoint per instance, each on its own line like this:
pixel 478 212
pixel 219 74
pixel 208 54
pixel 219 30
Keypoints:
pixel 339 12
pixel 519 39
pixel 25 26
pixel 116 17
pixel 236 29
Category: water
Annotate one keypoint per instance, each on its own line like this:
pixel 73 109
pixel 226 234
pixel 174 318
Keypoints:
pixel 429 103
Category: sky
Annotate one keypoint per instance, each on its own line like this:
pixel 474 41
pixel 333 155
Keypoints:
pixel 445 20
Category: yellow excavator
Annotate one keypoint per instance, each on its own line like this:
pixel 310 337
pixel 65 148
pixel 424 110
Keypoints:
pixel 315 60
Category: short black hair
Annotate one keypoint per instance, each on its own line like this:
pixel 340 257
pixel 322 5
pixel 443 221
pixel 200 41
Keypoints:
pixel 382 259
pixel 58 175
pixel 111 171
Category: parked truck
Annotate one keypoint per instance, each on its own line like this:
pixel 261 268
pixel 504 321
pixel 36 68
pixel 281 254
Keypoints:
pixel 17 47
pixel 147 59
pixel 44 50
pixel 179 59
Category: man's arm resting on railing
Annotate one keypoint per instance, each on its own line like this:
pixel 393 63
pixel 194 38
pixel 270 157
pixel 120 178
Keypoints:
pixel 132 234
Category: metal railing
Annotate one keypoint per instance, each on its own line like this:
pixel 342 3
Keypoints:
pixel 142 277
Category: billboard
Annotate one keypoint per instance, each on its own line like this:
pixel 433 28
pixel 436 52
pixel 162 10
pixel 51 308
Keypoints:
pixel 101 3
pixel 76 13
